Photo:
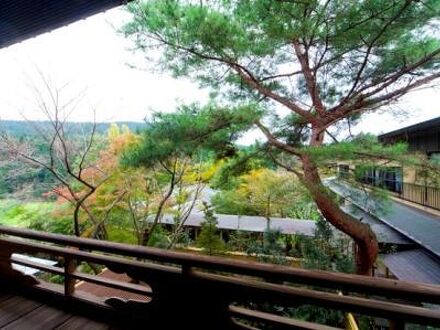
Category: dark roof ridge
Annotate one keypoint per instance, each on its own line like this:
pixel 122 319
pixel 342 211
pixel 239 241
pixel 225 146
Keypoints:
pixel 413 128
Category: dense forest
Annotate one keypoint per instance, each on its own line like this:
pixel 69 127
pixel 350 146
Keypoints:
pixel 24 183
pixel 21 128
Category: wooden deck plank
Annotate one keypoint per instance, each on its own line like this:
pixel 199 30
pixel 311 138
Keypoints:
pixel 4 296
pixel 15 307
pixel 80 323
pixel 41 318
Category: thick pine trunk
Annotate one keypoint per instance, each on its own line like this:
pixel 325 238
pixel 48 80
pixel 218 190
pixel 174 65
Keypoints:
pixel 317 137
pixel 361 233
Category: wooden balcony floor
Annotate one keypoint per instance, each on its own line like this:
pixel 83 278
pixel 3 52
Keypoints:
pixel 18 312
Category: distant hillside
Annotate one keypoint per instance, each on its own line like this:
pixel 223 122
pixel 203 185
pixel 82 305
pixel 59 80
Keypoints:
pixel 27 128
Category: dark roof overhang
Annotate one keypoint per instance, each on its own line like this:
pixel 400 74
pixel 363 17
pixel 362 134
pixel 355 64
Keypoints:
pixel 420 127
pixel 23 19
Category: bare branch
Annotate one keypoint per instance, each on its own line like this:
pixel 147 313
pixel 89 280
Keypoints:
pixel 309 77
pixel 366 104
pixel 276 142
pixel 245 74
pixel 89 145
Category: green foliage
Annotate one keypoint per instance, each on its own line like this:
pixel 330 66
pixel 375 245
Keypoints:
pixel 363 146
pixel 327 250
pixel 35 215
pixel 292 128
pixel 22 214
pixel 23 129
pixel 201 39
pixel 240 241
pixel 121 234
pixel 271 249
pixel 209 239
pixel 21 181
pixel 318 315
pixel 242 162
pixel 429 173
pixel 159 238
pixel 183 239
pixel 189 130
pixel 53 224
pixel 326 61
pixel 330 251
pixel 230 202
pixel 266 192
pixel 49 277
pixel 305 210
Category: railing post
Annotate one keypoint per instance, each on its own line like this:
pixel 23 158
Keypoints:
pixel 186 270
pixel 8 272
pixel 397 324
pixel 207 298
pixel 69 281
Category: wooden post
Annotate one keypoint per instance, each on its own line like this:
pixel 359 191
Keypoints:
pixel 8 272
pixel 397 325
pixel 69 282
pixel 186 270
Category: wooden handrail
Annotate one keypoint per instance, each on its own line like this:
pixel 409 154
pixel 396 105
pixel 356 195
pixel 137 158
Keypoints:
pixel 288 294
pixel 196 278
pixel 243 287
pixel 383 287
pixel 275 319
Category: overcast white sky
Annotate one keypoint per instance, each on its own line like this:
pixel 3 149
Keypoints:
pixel 90 54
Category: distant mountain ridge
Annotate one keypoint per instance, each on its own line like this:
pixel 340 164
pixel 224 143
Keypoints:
pixel 26 128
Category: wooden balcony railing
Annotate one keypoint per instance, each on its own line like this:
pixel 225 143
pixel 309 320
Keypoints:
pixel 428 196
pixel 201 292
pixel 420 194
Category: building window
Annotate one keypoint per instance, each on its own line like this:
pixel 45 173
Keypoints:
pixel 434 157
pixel 389 178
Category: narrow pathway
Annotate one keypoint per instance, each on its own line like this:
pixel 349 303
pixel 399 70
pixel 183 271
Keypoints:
pixel 419 226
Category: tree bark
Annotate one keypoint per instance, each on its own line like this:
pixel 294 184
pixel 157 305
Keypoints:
pixel 361 233
pixel 146 236
pixel 183 220
pixel 317 137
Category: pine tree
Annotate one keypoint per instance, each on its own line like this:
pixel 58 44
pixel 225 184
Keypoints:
pixel 209 239
pixel 325 62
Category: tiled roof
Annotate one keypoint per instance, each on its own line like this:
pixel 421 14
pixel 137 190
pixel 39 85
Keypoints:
pixel 415 224
pixel 414 265
pixel 251 223
pixel 384 233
